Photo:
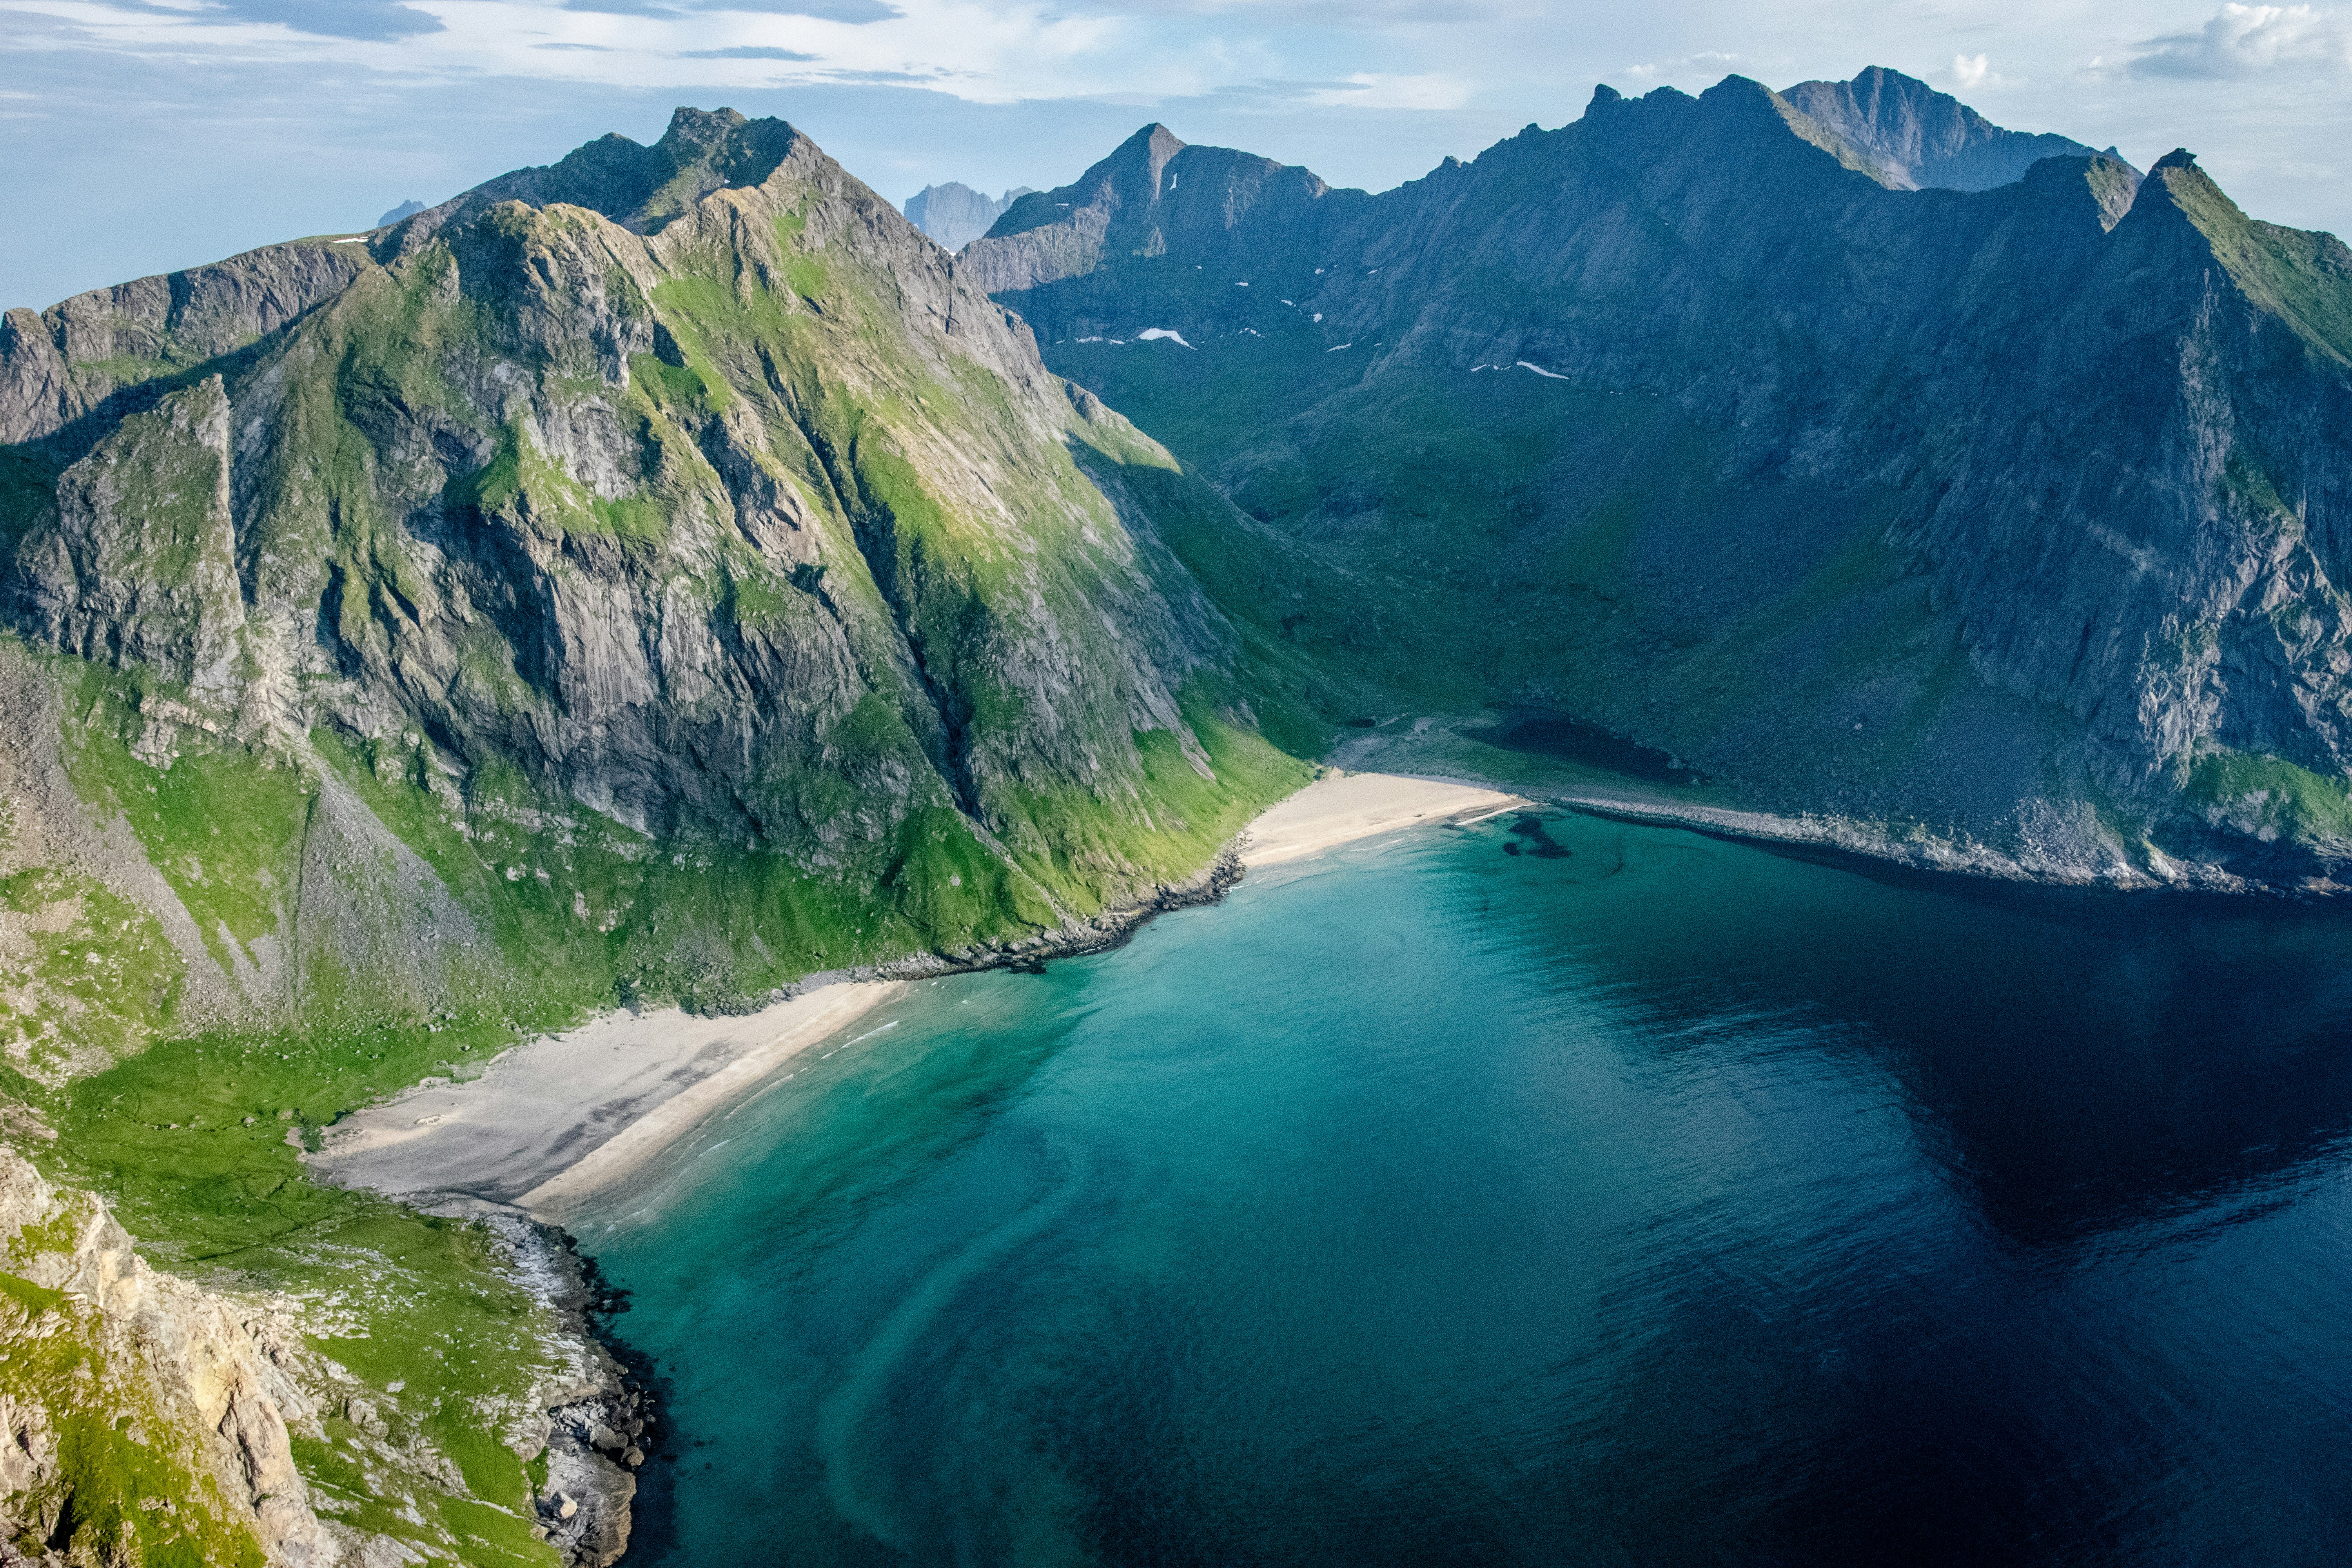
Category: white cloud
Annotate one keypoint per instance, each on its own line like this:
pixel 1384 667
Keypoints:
pixel 985 51
pixel 1708 64
pixel 2243 41
pixel 1369 90
pixel 1968 71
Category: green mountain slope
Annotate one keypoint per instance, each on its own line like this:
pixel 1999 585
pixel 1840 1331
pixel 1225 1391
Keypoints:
pixel 652 577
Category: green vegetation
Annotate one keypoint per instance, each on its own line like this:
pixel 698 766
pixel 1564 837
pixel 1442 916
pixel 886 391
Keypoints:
pixel 2302 277
pixel 83 972
pixel 2272 798
pixel 223 824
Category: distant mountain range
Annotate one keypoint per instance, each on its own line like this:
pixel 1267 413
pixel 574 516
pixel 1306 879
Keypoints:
pixel 408 208
pixel 955 214
pixel 1964 489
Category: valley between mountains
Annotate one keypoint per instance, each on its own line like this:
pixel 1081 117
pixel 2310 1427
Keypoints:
pixel 666 575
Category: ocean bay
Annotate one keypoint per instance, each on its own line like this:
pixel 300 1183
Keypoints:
pixel 1445 1199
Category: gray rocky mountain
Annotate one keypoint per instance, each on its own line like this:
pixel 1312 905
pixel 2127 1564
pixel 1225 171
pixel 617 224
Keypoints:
pixel 955 214
pixel 1916 137
pixel 2006 521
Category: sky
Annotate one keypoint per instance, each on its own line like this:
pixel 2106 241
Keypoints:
pixel 137 136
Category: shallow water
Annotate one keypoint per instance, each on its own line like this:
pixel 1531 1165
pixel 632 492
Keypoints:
pixel 1666 1201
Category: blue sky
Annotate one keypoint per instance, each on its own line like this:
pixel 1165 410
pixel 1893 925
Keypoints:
pixel 143 135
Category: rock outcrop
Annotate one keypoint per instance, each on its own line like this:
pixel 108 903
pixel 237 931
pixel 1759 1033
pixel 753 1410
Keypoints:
pixel 141 566
pixel 138 1414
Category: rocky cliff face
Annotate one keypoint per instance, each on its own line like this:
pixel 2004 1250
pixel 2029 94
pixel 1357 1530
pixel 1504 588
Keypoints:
pixel 2012 514
pixel 138 1415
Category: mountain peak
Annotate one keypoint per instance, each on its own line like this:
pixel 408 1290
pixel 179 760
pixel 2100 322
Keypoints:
pixel 640 187
pixel 702 124
pixel 1917 137
pixel 1153 147
pixel 955 214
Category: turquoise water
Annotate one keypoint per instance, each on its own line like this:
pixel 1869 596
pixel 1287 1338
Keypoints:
pixel 1582 1194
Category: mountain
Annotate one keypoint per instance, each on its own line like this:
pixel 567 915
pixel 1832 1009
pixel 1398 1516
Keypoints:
pixel 1997 528
pixel 408 208
pixel 1134 205
pixel 653 576
pixel 1918 138
pixel 682 486
pixel 955 214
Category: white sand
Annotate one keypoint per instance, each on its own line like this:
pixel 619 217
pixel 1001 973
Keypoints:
pixel 552 1122
pixel 1342 807
pixel 566 1115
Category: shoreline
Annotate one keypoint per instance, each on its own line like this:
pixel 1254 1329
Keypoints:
pixel 1854 842
pixel 548 1125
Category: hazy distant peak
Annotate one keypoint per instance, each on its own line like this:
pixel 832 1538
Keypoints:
pixel 955 214
pixel 1917 137
pixel 408 208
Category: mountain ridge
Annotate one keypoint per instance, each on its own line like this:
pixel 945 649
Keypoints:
pixel 1920 138
pixel 1916 364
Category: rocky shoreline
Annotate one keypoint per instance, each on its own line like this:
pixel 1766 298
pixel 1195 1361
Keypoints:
pixel 604 1422
pixel 1113 927
pixel 1922 852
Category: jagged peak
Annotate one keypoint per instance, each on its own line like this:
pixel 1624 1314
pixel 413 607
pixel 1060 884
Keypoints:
pixel 639 187
pixel 1153 148
pixel 2302 277
pixel 686 120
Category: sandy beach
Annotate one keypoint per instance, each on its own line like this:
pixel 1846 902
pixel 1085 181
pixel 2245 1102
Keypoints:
pixel 565 1115
pixel 1340 808
pixel 552 1122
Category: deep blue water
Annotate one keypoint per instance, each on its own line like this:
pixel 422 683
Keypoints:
pixel 1665 1200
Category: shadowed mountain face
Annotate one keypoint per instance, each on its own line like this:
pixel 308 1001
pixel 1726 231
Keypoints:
pixel 1918 137
pixel 955 214
pixel 1153 195
pixel 2013 516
